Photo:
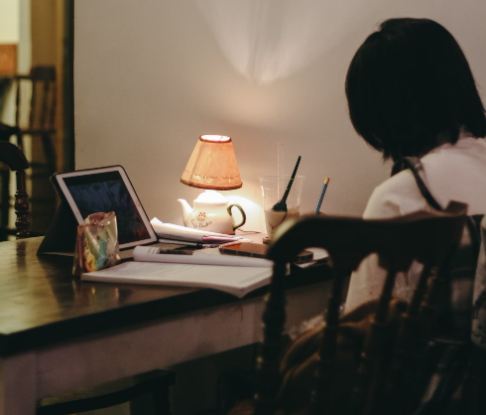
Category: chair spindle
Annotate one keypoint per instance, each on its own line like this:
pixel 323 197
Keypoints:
pixel 21 207
pixel 328 347
pixel 269 360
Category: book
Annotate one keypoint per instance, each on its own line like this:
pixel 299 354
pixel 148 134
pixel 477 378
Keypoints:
pixel 235 280
pixel 183 233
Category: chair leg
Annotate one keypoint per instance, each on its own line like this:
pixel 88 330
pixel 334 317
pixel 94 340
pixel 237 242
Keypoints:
pixel 20 141
pixel 4 197
pixel 161 400
pixel 49 153
pixel 21 207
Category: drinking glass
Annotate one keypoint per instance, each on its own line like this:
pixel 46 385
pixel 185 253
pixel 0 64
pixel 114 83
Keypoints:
pixel 273 188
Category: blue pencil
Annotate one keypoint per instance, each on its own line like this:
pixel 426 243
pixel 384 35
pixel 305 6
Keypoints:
pixel 323 191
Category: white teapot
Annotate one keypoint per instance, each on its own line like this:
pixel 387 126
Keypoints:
pixel 211 212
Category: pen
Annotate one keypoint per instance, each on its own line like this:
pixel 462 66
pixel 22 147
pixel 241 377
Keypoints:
pixel 323 191
pixel 175 251
pixel 195 244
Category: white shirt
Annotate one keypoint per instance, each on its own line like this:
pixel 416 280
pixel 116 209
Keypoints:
pixel 451 172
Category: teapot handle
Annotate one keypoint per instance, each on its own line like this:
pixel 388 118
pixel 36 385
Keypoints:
pixel 243 214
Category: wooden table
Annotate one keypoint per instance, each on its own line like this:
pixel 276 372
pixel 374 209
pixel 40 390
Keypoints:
pixel 59 334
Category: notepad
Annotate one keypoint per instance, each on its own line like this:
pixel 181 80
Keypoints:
pixel 238 281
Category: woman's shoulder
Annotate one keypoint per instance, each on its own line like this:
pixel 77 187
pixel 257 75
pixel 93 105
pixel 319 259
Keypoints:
pixel 466 146
pixel 396 196
pixel 458 172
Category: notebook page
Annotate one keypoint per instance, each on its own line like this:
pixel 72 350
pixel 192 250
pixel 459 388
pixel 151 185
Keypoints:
pixel 235 280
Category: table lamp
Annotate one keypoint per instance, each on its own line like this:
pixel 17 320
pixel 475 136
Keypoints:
pixel 212 166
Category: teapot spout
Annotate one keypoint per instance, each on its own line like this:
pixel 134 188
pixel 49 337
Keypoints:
pixel 186 210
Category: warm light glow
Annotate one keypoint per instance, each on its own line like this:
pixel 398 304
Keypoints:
pixel 266 40
pixel 211 196
pixel 216 138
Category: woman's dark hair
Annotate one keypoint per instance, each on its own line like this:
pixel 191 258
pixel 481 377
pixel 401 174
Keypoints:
pixel 410 89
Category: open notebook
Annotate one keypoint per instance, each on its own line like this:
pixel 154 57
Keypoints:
pixel 236 280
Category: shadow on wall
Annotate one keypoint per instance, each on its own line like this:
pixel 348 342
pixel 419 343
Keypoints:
pixel 266 40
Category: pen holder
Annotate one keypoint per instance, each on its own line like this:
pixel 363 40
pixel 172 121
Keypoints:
pixel 96 243
pixel 273 188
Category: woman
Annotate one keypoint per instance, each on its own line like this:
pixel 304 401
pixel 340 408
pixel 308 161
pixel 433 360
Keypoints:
pixel 411 93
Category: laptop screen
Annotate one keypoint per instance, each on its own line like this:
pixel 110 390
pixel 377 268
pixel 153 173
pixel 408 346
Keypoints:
pixel 106 192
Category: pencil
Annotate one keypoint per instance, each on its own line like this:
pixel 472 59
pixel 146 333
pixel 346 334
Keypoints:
pixel 323 191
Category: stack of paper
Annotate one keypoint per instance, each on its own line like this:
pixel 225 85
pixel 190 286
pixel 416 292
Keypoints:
pixel 170 233
pixel 207 256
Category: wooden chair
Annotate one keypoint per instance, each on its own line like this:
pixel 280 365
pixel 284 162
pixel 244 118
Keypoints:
pixel 37 119
pixel 6 131
pixel 369 361
pixel 41 82
pixel 13 157
pixel 157 383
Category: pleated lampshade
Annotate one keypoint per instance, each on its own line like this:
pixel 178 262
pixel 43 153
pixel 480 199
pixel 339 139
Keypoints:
pixel 213 165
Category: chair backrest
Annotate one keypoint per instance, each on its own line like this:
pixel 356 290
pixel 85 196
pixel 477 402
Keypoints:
pixel 6 131
pixel 427 237
pixel 13 157
pixel 42 111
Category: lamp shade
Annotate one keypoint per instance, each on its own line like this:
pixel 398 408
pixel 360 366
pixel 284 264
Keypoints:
pixel 213 165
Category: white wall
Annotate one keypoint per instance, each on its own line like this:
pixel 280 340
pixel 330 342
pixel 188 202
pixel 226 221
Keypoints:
pixel 9 21
pixel 153 75
pixel 24 58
